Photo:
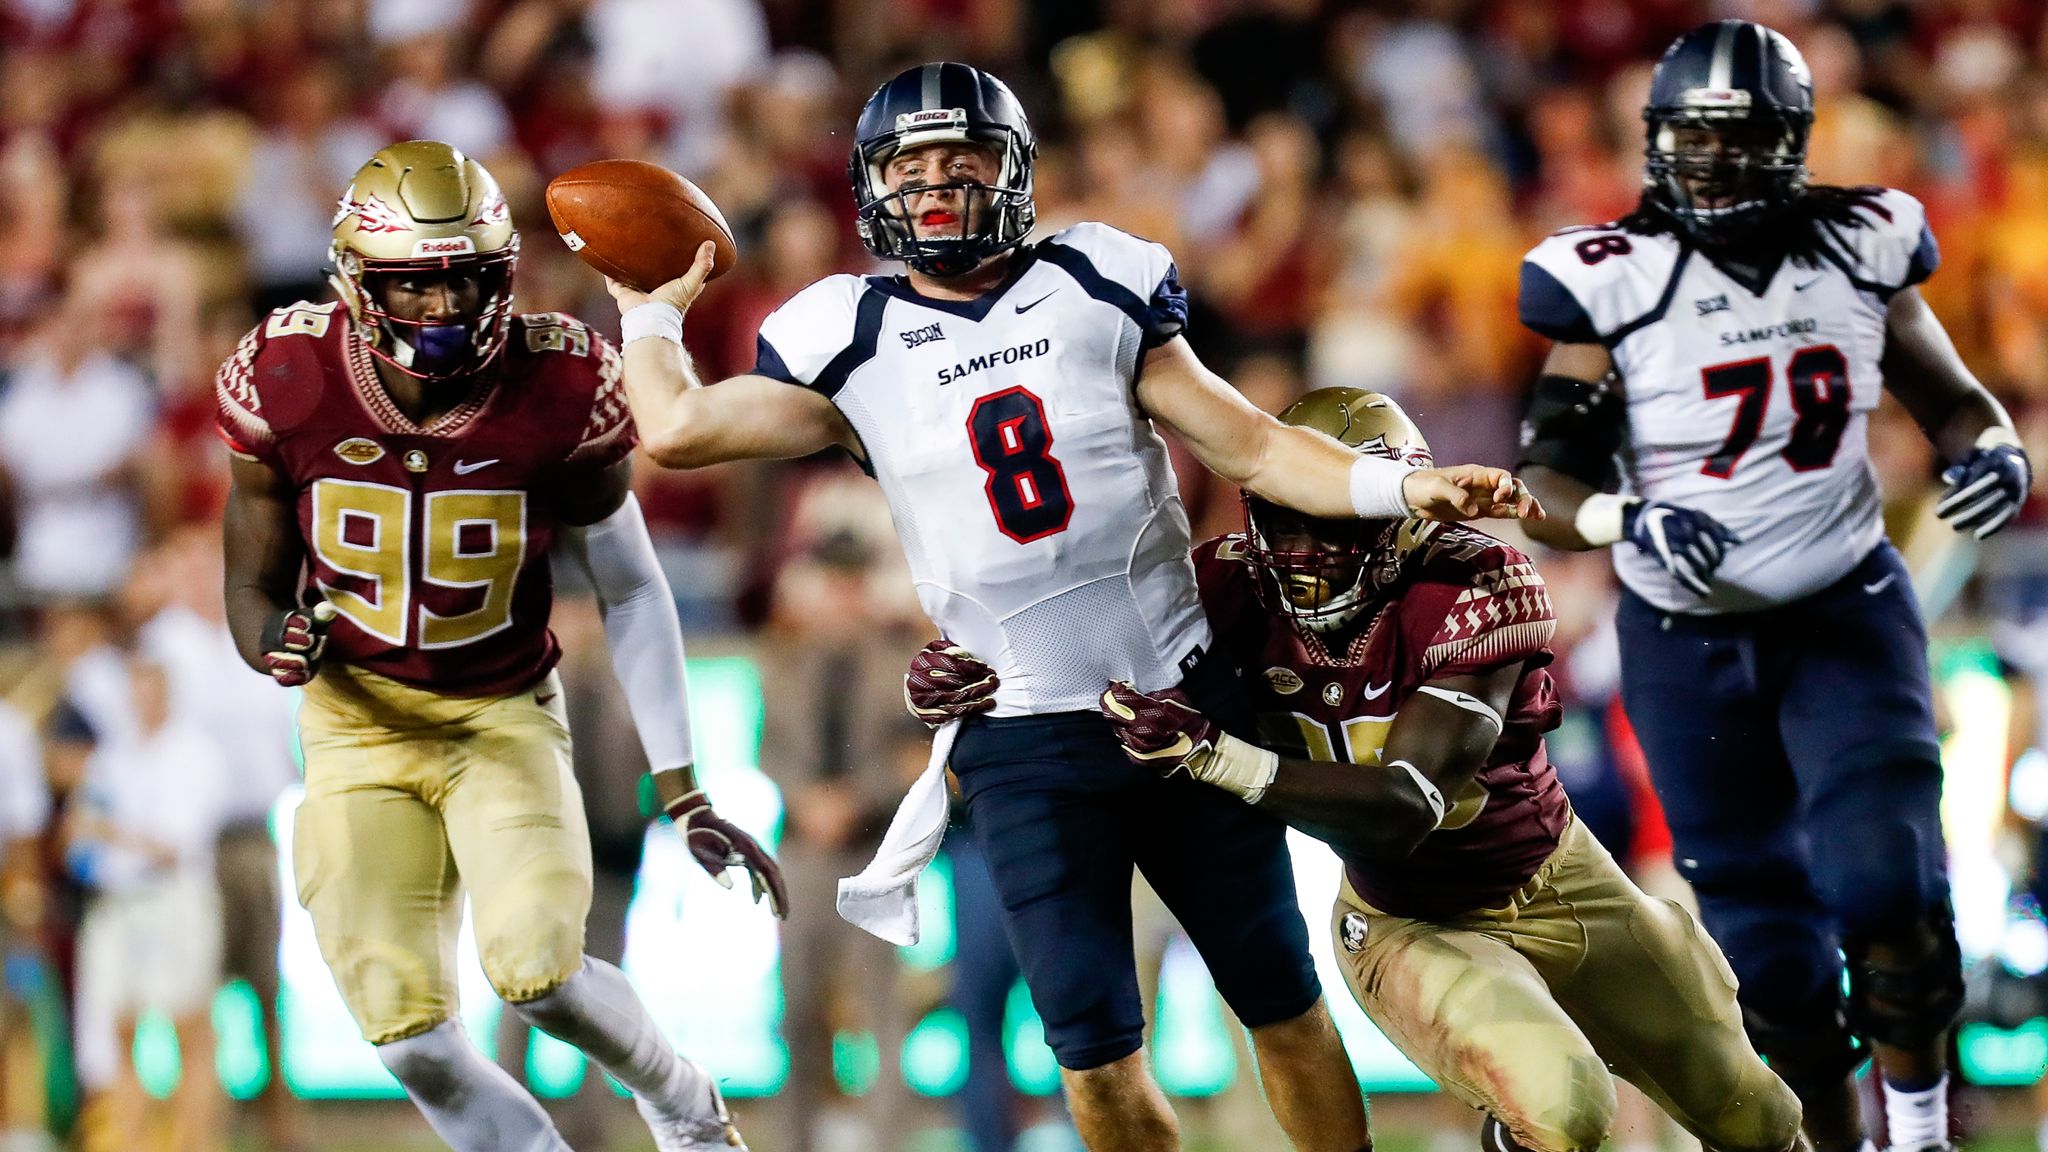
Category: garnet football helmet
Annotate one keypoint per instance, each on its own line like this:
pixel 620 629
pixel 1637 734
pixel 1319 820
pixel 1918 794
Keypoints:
pixel 1323 573
pixel 933 104
pixel 422 207
pixel 1730 109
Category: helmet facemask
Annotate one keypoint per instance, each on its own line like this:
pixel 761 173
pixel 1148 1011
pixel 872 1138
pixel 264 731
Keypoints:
pixel 436 348
pixel 1321 574
pixel 1722 174
pixel 991 218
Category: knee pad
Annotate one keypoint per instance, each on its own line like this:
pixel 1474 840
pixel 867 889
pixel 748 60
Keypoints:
pixel 1811 1051
pixel 1906 1003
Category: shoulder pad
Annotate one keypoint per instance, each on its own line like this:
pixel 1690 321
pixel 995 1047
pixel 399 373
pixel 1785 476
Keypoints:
pixel 1476 604
pixel 238 406
pixel 557 333
pixel 1588 285
pixel 1894 248
pixel 1115 267
pixel 800 341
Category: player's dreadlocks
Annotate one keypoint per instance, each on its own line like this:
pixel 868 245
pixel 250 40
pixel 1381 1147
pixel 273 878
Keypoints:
pixel 1806 229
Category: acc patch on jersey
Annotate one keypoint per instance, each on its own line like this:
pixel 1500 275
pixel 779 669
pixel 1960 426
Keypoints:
pixel 1353 929
pixel 357 450
pixel 1283 681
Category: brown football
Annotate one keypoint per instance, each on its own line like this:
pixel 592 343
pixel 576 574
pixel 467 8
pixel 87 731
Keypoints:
pixel 636 222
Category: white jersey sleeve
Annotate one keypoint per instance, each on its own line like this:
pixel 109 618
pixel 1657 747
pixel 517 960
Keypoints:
pixel 1597 285
pixel 1136 275
pixel 1893 249
pixel 801 341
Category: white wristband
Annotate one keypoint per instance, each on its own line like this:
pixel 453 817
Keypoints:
pixel 652 319
pixel 1999 436
pixel 1236 766
pixel 1600 518
pixel 1430 792
pixel 1376 489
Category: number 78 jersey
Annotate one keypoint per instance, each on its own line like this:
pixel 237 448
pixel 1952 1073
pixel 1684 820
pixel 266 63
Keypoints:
pixel 1034 501
pixel 1751 407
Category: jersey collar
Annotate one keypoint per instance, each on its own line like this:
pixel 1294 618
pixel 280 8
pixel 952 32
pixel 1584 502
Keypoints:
pixel 976 309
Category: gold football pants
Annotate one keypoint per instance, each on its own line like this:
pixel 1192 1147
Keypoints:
pixel 1522 1010
pixel 410 798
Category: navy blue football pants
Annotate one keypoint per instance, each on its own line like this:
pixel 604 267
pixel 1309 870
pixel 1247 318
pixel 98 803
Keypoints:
pixel 1062 817
pixel 1794 750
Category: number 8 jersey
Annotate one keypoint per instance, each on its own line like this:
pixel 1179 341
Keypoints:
pixel 431 541
pixel 1035 504
pixel 1751 407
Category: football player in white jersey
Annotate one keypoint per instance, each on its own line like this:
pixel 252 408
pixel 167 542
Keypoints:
pixel 1004 394
pixel 1718 352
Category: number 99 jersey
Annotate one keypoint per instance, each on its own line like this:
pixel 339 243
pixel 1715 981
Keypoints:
pixel 1039 515
pixel 432 542
pixel 1751 407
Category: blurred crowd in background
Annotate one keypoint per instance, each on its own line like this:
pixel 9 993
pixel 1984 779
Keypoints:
pixel 1348 188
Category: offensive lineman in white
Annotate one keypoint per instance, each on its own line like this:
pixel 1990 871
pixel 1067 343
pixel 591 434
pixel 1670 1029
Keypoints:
pixel 1003 396
pixel 1725 343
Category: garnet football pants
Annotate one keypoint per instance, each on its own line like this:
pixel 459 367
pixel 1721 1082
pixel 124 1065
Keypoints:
pixel 1523 1009
pixel 410 797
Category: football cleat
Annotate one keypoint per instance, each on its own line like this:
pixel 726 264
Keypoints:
pixel 708 1127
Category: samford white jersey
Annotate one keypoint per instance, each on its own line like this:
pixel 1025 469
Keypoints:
pixel 1750 408
pixel 1036 506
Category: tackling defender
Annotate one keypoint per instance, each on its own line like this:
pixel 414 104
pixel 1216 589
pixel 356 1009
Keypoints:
pixel 1004 394
pixel 1725 342
pixel 1398 667
pixel 403 458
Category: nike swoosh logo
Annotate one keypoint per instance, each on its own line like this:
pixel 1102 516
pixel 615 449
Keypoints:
pixel 1023 308
pixel 464 468
pixel 1372 693
pixel 1808 284
pixel 1881 585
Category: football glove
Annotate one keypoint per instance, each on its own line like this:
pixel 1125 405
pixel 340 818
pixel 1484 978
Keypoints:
pixel 294 641
pixel 947 682
pixel 1986 489
pixel 1689 544
pixel 1163 731
pixel 718 844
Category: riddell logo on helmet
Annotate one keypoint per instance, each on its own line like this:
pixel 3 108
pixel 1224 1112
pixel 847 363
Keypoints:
pixel 451 246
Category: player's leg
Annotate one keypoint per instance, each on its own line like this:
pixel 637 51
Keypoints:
pixel 1479 1019
pixel 1655 997
pixel 1731 800
pixel 516 829
pixel 1045 799
pixel 1224 870
pixel 373 869
pixel 1859 726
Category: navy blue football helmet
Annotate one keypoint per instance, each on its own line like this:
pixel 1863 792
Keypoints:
pixel 1730 109
pixel 939 103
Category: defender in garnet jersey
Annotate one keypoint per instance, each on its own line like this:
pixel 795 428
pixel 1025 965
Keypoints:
pixel 405 457
pixel 1396 670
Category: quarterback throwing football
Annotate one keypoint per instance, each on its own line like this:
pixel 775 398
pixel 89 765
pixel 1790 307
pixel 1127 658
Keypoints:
pixel 1004 395
pixel 413 449
pixel 1724 345
pixel 1396 670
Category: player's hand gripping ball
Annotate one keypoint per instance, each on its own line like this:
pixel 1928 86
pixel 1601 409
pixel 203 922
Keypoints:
pixel 638 223
pixel 1688 543
pixel 294 641
pixel 947 682
pixel 718 844
pixel 1986 489
pixel 1160 730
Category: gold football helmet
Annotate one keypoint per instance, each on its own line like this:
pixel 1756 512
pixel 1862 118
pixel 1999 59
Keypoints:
pixel 1323 573
pixel 422 207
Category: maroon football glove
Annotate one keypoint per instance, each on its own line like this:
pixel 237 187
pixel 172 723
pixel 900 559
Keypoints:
pixel 718 844
pixel 294 641
pixel 1161 730
pixel 946 682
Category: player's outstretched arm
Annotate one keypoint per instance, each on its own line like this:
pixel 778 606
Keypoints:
pixel 684 423
pixel 605 534
pixel 1304 469
pixel 1439 738
pixel 1989 474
